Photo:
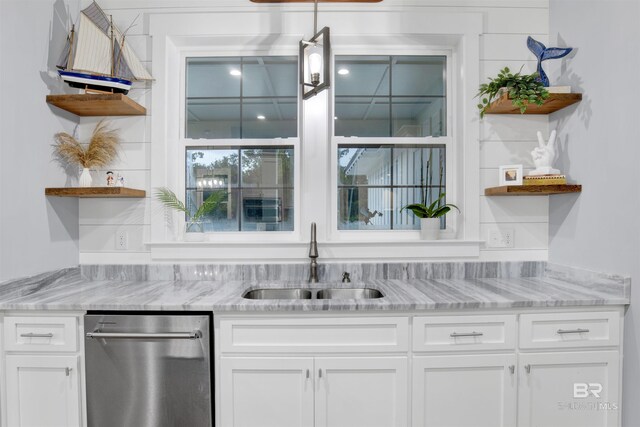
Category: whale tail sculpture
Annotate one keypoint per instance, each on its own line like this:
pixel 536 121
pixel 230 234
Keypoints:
pixel 543 53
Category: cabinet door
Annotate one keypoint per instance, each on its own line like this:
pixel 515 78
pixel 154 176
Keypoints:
pixel 569 389
pixel 43 391
pixel 266 392
pixel 464 391
pixel 361 392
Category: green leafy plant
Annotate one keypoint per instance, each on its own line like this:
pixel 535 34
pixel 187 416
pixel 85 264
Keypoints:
pixel 523 89
pixel 434 210
pixel 170 200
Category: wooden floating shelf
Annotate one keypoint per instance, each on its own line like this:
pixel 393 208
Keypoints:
pixel 532 190
pixel 92 192
pixel 103 104
pixel 555 102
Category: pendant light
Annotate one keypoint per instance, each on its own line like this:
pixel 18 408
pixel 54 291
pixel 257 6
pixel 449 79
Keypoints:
pixel 315 56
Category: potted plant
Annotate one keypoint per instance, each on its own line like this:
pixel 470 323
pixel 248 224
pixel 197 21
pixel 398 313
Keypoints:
pixel 522 88
pixel 194 227
pixel 430 216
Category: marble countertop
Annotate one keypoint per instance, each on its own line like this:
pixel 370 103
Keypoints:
pixel 67 290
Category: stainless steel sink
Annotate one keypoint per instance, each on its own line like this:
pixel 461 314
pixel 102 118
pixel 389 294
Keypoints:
pixel 278 294
pixel 297 293
pixel 344 293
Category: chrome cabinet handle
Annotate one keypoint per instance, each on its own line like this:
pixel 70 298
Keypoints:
pixel 163 336
pixel 466 334
pixel 32 335
pixel 572 331
pixel 512 369
pixel 527 368
pixel 319 373
pixel 308 374
pixel 67 371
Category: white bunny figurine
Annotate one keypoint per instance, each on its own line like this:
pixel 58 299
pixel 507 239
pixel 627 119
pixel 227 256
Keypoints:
pixel 544 155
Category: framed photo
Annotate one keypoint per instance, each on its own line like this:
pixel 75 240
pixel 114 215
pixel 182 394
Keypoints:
pixel 511 175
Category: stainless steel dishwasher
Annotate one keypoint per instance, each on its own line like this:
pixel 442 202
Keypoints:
pixel 148 370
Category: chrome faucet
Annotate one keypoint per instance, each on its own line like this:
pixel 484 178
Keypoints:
pixel 313 254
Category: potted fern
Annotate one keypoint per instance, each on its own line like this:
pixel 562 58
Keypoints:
pixel 194 226
pixel 430 216
pixel 523 89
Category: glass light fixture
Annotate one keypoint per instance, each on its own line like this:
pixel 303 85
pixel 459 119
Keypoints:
pixel 315 55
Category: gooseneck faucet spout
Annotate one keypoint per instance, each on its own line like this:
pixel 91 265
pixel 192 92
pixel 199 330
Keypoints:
pixel 313 254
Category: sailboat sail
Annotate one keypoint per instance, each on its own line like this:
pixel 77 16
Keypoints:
pixel 64 57
pixel 135 67
pixel 93 52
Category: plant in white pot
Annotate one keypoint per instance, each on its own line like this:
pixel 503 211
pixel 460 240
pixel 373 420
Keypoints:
pixel 194 226
pixel 430 216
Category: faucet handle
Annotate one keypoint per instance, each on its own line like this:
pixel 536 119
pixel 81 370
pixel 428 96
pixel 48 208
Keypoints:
pixel 346 278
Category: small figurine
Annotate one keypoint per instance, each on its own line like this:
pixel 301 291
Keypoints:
pixel 120 181
pixel 543 53
pixel 544 155
pixel 110 182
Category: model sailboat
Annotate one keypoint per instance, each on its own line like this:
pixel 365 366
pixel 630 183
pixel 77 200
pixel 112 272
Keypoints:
pixel 97 57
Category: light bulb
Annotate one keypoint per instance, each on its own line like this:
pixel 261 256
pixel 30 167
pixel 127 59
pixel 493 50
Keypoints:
pixel 315 68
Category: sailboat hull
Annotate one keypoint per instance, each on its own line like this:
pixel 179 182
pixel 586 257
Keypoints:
pixel 90 81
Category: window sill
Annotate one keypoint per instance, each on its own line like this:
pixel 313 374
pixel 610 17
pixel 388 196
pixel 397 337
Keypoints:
pixel 254 252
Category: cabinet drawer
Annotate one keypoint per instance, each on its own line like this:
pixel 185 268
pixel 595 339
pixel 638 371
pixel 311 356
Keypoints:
pixel 264 335
pixel 567 330
pixel 40 333
pixel 464 333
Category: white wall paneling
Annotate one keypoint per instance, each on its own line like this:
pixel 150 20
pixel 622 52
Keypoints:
pixel 503 139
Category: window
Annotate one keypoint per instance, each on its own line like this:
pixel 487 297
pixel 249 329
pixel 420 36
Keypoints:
pixel 239 112
pixel 241 97
pixel 390 96
pixel 376 181
pixel 396 107
pixel 256 185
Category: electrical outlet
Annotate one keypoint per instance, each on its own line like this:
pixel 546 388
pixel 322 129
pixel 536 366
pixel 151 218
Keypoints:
pixel 503 238
pixel 121 240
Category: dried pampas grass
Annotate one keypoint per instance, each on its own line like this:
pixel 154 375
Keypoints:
pixel 101 151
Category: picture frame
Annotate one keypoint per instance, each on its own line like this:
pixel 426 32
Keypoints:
pixel 510 175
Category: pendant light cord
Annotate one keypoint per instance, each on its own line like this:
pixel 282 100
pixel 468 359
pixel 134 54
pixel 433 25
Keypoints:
pixel 315 17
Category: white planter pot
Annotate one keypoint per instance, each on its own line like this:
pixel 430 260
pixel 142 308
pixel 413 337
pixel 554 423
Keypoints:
pixel 85 178
pixel 429 228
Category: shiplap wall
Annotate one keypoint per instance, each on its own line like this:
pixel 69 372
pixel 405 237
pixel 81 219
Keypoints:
pixel 504 139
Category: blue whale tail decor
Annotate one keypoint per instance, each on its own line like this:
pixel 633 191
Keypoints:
pixel 543 53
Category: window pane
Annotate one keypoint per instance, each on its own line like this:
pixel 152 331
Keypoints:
pixel 269 118
pixel 419 75
pixel 390 96
pixel 367 75
pixel 213 118
pixel 363 208
pixel 362 116
pixel 376 182
pixel 257 185
pixel 242 97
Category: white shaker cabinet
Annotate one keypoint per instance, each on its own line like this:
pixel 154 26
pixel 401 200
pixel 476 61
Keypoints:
pixel 267 392
pixel 43 370
pixel 569 389
pixel 464 391
pixel 43 391
pixel 361 392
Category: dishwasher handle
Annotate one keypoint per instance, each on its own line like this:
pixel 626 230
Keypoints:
pixel 154 335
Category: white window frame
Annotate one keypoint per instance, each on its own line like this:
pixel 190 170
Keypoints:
pixel 184 143
pixel 255 30
pixel 448 141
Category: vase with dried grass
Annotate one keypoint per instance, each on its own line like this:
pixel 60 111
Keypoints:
pixel 99 153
